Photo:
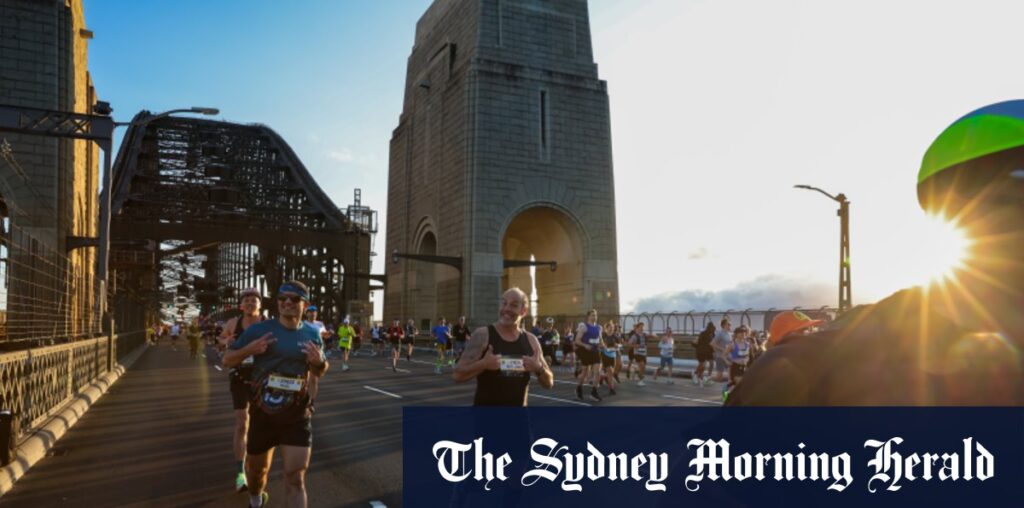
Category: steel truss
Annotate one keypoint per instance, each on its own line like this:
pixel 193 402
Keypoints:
pixel 238 196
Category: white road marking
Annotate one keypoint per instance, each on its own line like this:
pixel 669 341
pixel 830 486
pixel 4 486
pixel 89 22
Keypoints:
pixel 567 401
pixel 389 394
pixel 703 401
pixel 218 367
pixel 377 504
pixel 399 370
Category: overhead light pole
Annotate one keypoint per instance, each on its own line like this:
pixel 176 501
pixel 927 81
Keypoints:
pixel 845 293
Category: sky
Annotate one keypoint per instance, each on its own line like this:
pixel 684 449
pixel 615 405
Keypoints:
pixel 718 108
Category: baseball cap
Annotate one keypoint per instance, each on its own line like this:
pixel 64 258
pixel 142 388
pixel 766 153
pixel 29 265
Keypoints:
pixel 788 322
pixel 311 308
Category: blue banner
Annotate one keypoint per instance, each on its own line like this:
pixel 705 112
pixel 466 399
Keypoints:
pixel 723 457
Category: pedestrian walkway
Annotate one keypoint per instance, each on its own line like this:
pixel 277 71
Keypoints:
pixel 161 437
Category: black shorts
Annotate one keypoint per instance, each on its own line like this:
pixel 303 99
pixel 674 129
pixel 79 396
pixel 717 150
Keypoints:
pixel 705 355
pixel 241 392
pixel 395 344
pixel 737 370
pixel 642 357
pixel 568 349
pixel 607 361
pixel 264 435
pixel 407 341
pixel 588 357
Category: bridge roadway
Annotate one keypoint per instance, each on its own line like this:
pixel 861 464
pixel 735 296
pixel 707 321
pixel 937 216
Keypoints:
pixel 161 437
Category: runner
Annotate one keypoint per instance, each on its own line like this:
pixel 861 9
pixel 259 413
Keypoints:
pixel 410 336
pixel 175 332
pixel 357 338
pixel 953 342
pixel 705 355
pixel 194 334
pixel 460 332
pixel 377 339
pixel 550 342
pixel 287 353
pixel 395 335
pixel 501 357
pixel 638 341
pixel 345 336
pixel 588 348
pixel 239 377
pixel 311 320
pixel 666 347
pixel 608 353
pixel 568 349
pixel 719 344
pixel 442 335
pixel 738 356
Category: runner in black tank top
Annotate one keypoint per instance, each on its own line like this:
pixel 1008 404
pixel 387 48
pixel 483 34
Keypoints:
pixel 503 357
pixel 249 303
pixel 508 386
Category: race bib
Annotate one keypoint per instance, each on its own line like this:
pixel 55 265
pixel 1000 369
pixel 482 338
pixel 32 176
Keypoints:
pixel 640 351
pixel 595 341
pixel 284 383
pixel 248 361
pixel 512 365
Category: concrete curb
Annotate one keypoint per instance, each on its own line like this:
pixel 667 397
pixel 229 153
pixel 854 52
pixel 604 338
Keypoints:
pixel 33 448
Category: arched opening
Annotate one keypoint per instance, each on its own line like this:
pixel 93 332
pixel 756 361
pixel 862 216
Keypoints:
pixel 546 234
pixel 423 284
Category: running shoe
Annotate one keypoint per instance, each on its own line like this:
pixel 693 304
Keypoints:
pixel 611 391
pixel 694 377
pixel 240 484
pixel 264 499
pixel 344 367
pixel 579 392
pixel 641 383
pixel 393 368
pixel 594 395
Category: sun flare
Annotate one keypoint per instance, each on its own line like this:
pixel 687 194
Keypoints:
pixel 943 248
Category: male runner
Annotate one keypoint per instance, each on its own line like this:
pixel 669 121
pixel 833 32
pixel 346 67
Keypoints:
pixel 588 351
pixel 952 343
pixel 239 377
pixel 502 357
pixel 345 335
pixel 460 333
pixel 442 337
pixel 409 338
pixel 175 332
pixel 638 355
pixel 395 334
pixel 550 340
pixel 287 353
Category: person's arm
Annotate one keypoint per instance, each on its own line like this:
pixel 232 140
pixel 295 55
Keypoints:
pixel 315 358
pixel 246 346
pixel 537 365
pixel 477 358
pixel 578 338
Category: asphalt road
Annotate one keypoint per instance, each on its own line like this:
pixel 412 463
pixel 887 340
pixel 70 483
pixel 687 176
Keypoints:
pixel 162 435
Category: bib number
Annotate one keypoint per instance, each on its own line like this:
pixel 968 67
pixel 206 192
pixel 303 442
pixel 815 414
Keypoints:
pixel 284 383
pixel 641 351
pixel 512 365
pixel 248 361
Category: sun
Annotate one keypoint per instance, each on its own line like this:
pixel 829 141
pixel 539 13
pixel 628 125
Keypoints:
pixel 942 249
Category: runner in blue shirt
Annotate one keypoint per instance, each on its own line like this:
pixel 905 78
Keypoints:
pixel 286 353
pixel 442 337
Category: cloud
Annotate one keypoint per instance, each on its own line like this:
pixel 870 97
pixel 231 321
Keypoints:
pixel 699 253
pixel 340 155
pixel 761 293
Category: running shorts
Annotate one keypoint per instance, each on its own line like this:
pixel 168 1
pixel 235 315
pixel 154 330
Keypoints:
pixel 737 370
pixel 607 361
pixel 705 355
pixel 263 435
pixel 240 392
pixel 666 361
pixel 588 357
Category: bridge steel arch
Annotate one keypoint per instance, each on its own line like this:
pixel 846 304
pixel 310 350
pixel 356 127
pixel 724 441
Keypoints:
pixel 239 195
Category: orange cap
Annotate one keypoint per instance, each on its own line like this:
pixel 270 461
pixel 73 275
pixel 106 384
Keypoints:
pixel 788 322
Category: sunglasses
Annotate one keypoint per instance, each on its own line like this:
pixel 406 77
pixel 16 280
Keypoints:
pixel 290 298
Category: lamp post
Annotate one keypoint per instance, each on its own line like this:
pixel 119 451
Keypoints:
pixel 844 246
pixel 103 260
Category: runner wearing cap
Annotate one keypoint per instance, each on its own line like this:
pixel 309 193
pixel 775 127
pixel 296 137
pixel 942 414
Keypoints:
pixel 287 354
pixel 442 336
pixel 953 342
pixel 588 349
pixel 345 335
pixel 788 324
pixel 239 376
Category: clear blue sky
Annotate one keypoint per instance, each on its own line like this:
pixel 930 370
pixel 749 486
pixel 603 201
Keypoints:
pixel 717 109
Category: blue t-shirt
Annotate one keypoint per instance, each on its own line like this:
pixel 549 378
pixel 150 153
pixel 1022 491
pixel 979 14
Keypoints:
pixel 441 333
pixel 284 356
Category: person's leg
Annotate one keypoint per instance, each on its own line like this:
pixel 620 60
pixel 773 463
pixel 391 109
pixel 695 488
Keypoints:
pixel 641 372
pixel 241 429
pixel 296 462
pixel 257 467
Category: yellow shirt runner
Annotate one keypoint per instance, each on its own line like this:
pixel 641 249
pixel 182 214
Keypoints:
pixel 345 334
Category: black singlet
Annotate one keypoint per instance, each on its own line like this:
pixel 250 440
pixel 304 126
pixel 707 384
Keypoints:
pixel 497 388
pixel 242 370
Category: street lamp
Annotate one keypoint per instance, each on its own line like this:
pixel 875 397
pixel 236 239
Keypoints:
pixel 104 239
pixel 844 246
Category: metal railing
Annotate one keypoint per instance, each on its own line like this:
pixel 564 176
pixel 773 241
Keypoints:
pixel 36 383
pixel 46 297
